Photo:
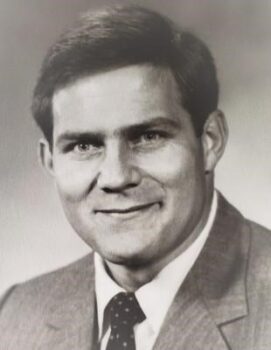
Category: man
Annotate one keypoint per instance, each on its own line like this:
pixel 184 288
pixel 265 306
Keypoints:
pixel 128 104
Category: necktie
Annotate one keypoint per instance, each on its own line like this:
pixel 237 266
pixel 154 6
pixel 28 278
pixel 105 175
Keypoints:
pixel 124 313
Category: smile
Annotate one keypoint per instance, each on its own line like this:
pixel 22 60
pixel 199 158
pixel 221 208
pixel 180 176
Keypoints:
pixel 121 212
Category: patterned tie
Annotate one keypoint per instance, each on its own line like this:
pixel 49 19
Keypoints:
pixel 124 313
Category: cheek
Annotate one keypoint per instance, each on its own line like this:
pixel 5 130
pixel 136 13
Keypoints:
pixel 173 167
pixel 74 180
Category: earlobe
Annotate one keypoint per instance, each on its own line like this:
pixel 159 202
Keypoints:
pixel 214 139
pixel 45 156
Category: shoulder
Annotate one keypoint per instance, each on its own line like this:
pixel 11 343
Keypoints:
pixel 252 242
pixel 258 258
pixel 250 274
pixel 257 236
pixel 260 235
pixel 33 296
pixel 258 283
pixel 259 263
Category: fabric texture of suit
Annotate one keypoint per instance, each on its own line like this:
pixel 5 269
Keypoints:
pixel 224 303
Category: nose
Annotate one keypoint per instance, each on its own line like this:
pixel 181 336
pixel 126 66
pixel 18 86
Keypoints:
pixel 117 171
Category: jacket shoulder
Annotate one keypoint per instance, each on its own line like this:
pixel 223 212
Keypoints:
pixel 259 264
pixel 33 297
pixel 258 291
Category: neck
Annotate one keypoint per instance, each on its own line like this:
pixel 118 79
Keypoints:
pixel 130 278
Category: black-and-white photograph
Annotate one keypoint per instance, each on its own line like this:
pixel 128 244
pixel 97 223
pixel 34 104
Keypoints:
pixel 135 175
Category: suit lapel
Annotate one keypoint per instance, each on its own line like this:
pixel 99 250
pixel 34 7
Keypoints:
pixel 72 317
pixel 222 266
pixel 188 324
pixel 214 293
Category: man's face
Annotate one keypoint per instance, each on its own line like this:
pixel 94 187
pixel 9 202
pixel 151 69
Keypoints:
pixel 127 164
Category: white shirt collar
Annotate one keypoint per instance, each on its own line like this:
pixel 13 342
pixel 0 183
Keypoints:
pixel 163 287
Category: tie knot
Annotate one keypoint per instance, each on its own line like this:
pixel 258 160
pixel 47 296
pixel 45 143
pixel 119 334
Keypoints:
pixel 124 310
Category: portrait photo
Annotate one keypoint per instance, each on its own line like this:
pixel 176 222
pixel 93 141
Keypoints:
pixel 135 175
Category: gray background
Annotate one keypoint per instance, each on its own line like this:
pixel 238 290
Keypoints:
pixel 34 235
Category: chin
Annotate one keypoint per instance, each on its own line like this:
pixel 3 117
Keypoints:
pixel 133 258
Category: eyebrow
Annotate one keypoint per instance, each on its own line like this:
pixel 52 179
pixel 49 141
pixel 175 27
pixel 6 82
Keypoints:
pixel 92 137
pixel 98 137
pixel 156 122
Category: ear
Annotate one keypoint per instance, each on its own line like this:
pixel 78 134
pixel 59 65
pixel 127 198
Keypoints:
pixel 46 156
pixel 214 139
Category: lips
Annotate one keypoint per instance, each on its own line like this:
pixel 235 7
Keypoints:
pixel 127 210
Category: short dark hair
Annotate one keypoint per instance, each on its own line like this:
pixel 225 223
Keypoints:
pixel 121 36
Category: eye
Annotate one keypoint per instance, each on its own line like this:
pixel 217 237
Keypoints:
pixel 85 149
pixel 82 147
pixel 150 138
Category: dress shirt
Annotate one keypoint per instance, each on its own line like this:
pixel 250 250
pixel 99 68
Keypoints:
pixel 154 297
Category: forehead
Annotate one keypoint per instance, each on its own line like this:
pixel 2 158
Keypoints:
pixel 117 98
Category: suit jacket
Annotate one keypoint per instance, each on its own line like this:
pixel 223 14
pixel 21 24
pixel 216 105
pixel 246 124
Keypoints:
pixel 224 303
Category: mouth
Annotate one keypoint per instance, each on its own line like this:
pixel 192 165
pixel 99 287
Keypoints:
pixel 118 212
